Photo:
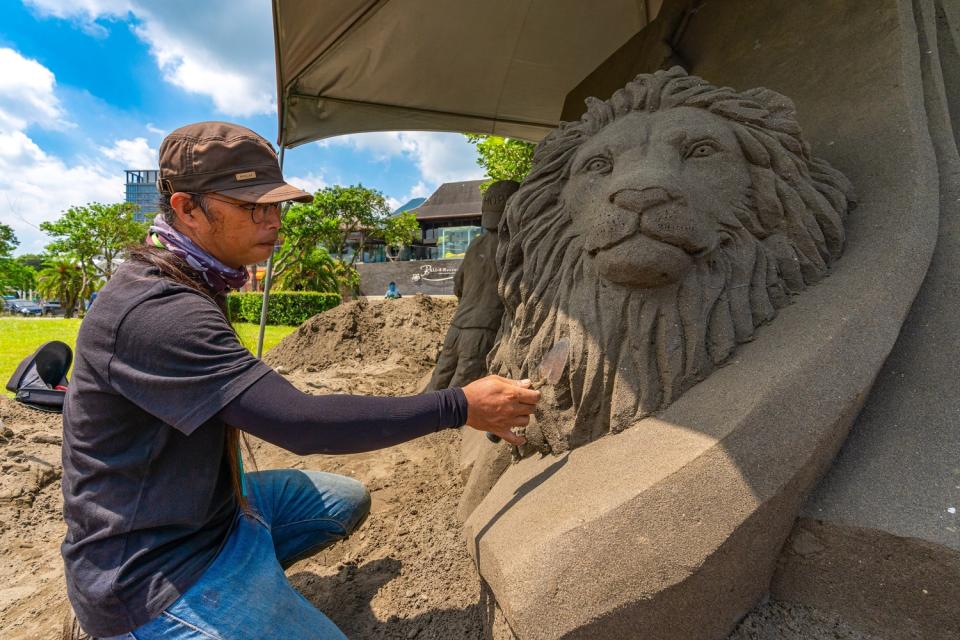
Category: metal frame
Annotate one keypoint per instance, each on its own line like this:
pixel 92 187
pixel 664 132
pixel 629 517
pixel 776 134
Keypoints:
pixel 268 277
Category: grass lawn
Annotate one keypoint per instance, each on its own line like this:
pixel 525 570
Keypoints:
pixel 19 337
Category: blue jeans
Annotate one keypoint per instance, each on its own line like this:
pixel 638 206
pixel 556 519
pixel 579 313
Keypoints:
pixel 244 593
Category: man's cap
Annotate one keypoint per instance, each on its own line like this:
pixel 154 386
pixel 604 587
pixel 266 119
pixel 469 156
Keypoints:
pixel 226 158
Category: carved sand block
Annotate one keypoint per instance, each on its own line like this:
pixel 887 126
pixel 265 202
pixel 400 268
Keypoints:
pixel 679 238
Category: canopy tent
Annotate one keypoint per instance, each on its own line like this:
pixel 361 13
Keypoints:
pixel 501 67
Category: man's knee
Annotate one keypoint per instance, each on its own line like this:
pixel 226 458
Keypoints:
pixel 362 509
pixel 351 497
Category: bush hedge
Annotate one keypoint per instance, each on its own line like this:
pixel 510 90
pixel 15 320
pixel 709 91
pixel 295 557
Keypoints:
pixel 286 307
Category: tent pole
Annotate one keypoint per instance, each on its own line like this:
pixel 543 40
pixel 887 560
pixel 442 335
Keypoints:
pixel 267 279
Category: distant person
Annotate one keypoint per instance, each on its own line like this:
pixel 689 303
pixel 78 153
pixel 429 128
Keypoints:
pixel 473 329
pixel 167 535
pixel 392 292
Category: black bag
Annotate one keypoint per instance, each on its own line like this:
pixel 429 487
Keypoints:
pixel 37 377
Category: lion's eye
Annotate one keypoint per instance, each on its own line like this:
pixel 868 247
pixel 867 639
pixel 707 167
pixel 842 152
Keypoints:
pixel 702 150
pixel 598 165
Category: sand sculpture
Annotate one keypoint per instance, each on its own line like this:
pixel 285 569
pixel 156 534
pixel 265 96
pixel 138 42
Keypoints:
pixel 474 327
pixel 655 235
pixel 673 527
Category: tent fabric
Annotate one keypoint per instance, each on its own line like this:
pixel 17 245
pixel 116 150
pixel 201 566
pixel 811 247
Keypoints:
pixel 499 67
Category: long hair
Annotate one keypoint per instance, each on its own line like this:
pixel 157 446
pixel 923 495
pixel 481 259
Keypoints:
pixel 175 268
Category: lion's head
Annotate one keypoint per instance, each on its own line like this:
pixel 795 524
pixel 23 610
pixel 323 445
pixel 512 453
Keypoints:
pixel 654 235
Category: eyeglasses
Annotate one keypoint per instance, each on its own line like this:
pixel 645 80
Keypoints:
pixel 258 212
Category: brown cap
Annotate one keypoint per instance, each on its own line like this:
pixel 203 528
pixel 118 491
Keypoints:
pixel 226 158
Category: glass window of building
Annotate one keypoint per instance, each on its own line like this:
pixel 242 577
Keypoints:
pixel 141 190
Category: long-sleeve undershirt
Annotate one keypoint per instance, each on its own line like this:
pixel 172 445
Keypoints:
pixel 274 410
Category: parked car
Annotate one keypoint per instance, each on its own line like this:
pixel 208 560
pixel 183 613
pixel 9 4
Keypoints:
pixel 51 308
pixel 9 304
pixel 25 308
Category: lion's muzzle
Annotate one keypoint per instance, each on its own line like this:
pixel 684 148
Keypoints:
pixel 647 238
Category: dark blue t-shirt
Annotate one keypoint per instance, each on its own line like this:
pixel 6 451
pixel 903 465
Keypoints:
pixel 147 492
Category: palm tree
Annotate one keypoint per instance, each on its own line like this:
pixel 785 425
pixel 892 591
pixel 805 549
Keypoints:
pixel 315 270
pixel 62 280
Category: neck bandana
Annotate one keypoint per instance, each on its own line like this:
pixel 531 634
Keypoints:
pixel 218 276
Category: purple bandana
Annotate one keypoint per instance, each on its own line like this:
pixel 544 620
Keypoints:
pixel 218 276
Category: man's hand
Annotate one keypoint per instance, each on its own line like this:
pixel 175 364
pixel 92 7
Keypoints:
pixel 497 404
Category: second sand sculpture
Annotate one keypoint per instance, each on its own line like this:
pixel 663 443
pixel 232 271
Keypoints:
pixel 473 329
pixel 653 236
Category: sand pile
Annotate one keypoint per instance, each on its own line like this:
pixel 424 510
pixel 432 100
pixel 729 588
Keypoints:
pixel 32 597
pixel 384 348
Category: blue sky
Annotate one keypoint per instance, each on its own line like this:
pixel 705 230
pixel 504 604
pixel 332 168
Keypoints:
pixel 89 88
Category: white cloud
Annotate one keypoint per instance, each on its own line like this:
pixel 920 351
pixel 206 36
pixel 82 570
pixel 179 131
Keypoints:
pixel 381 145
pixel 84 12
pixel 89 10
pixel 155 130
pixel 133 154
pixel 439 157
pixel 419 190
pixel 443 157
pixel 36 186
pixel 310 182
pixel 224 51
pixel 26 93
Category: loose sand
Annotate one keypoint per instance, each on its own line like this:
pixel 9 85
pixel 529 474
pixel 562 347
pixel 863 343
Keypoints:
pixel 404 574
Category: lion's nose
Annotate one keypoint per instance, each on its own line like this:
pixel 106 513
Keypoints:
pixel 639 200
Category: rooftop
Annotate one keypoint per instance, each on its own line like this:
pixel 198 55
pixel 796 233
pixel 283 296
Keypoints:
pixel 453 200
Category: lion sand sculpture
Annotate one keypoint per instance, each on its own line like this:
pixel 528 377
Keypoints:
pixel 654 235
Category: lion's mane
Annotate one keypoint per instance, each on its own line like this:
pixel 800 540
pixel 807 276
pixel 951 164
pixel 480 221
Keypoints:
pixel 633 352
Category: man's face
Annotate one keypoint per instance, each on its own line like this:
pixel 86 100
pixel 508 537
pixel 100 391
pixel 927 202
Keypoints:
pixel 231 235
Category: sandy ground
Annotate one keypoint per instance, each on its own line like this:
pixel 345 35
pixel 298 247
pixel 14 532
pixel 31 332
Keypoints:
pixel 404 574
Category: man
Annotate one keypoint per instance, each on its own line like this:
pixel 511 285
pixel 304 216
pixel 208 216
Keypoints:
pixel 167 535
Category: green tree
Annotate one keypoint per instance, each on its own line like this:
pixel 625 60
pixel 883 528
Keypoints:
pixel 62 280
pixel 33 260
pixel 315 270
pixel 338 217
pixel 400 230
pixel 502 158
pixel 8 241
pixel 14 276
pixel 94 237
pixel 353 213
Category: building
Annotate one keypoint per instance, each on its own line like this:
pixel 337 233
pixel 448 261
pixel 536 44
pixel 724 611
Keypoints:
pixel 449 220
pixel 141 190
pixel 413 203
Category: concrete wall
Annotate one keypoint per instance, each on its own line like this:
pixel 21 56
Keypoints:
pixel 432 277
